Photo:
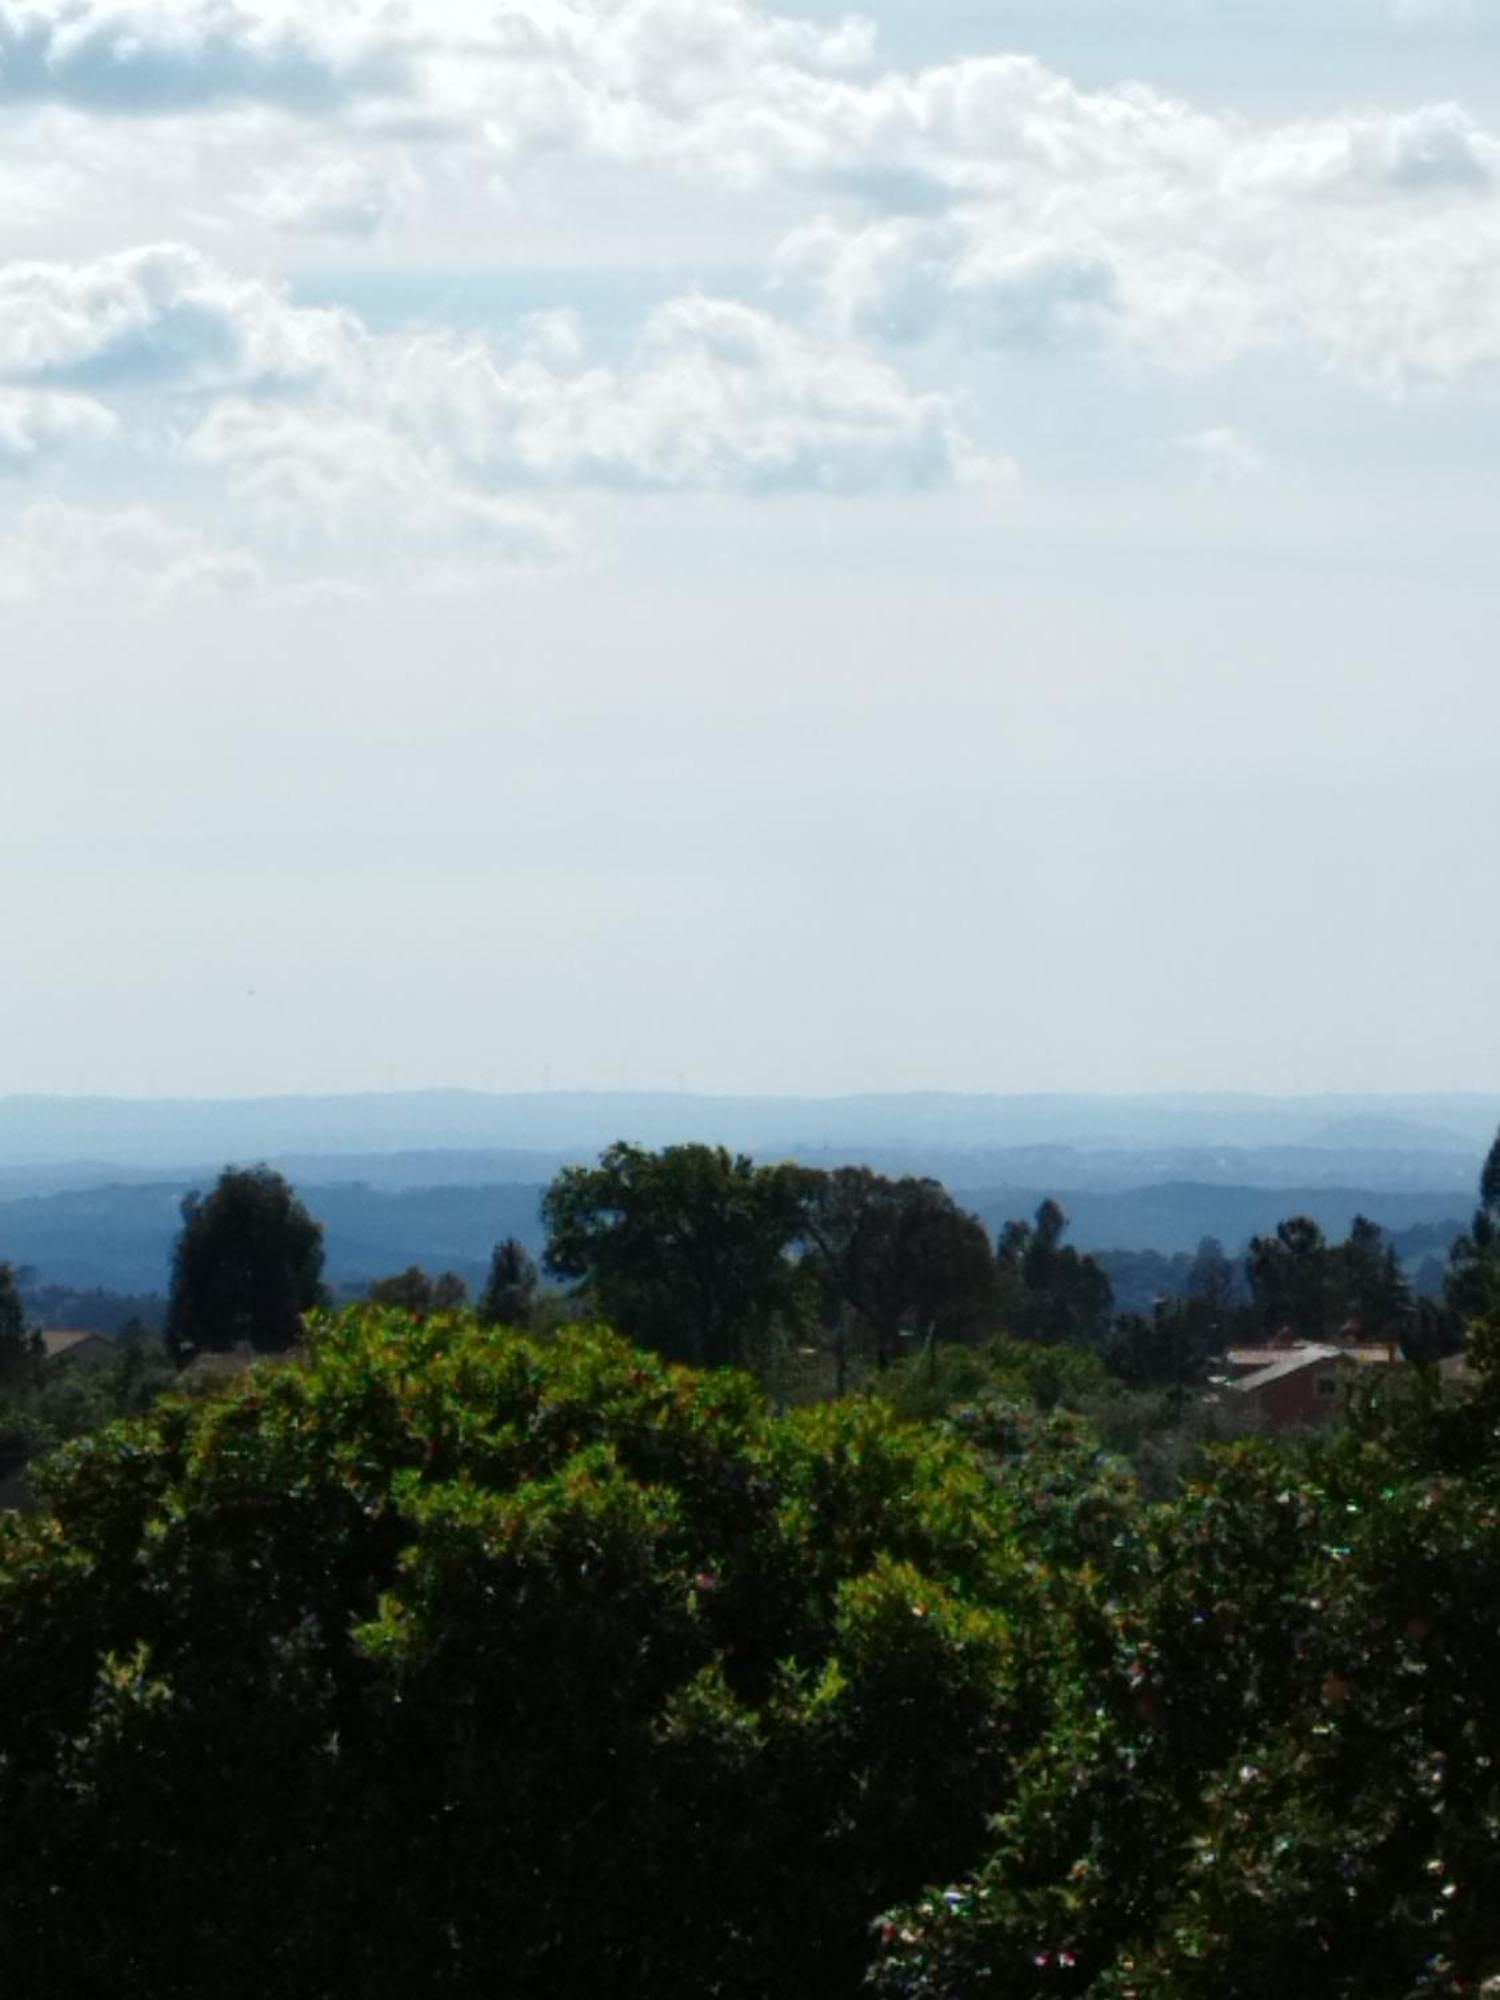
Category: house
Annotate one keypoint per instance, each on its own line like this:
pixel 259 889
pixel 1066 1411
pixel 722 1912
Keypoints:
pixel 77 1347
pixel 1296 1384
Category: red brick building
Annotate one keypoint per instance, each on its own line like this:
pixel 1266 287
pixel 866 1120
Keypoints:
pixel 1297 1385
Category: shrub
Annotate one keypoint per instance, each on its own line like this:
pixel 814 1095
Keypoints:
pixel 449 1660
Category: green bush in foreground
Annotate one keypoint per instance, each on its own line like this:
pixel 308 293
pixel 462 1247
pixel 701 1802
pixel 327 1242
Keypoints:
pixel 452 1660
pixel 448 1660
pixel 1278 1773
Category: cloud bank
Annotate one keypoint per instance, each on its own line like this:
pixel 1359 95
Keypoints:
pixel 986 203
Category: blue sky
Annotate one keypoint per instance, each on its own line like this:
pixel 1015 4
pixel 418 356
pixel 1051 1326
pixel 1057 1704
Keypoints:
pixel 654 542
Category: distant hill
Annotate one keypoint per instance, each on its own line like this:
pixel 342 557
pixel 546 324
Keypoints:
pixel 89 1187
pixel 166 1133
pixel 120 1236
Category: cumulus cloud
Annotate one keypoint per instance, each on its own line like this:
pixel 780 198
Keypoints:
pixel 162 314
pixel 331 487
pixel 155 56
pixel 133 551
pixel 336 445
pixel 35 425
pixel 717 393
pixel 990 195
pixel 330 195
pixel 1370 242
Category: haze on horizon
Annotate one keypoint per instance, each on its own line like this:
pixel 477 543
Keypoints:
pixel 697 548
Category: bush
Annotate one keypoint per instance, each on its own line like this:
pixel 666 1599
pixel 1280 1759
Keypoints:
pixel 1273 1762
pixel 448 1660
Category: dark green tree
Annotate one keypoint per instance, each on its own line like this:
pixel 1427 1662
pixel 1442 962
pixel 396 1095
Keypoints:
pixel 1377 1293
pixel 1295 1281
pixel 1472 1286
pixel 899 1262
pixel 685 1250
pixel 1048 1290
pixel 247 1265
pixel 509 1295
pixel 456 1661
pixel 416 1291
pixel 20 1346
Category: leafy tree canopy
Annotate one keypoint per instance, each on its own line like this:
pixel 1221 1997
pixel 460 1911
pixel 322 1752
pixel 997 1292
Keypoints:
pixel 247 1266
pixel 417 1291
pixel 897 1258
pixel 509 1297
pixel 447 1660
pixel 685 1250
pixel 1048 1290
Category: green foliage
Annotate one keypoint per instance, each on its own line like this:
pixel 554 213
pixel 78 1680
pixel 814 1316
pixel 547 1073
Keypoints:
pixel 1273 1764
pixel 1049 1291
pixel 509 1297
pixel 20 1348
pixel 416 1291
pixel 448 1660
pixel 685 1250
pixel 897 1260
pixel 247 1265
pixel 1307 1286
pixel 931 1383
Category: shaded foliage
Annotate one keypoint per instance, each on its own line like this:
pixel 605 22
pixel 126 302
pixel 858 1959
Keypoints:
pixel 1048 1290
pixel 509 1297
pixel 418 1292
pixel 247 1265
pixel 683 1249
pixel 446 1660
pixel 898 1263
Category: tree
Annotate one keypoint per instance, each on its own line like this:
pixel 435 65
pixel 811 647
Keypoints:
pixel 1295 1282
pixel 897 1258
pixel 416 1291
pixel 1377 1291
pixel 247 1265
pixel 509 1296
pixel 1472 1286
pixel 459 1661
pixel 1048 1290
pixel 20 1346
pixel 685 1250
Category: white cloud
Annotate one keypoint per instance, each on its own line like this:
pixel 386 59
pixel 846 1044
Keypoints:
pixel 155 56
pixel 1224 456
pixel 1371 243
pixel 335 448
pixel 37 424
pixel 59 550
pixel 331 195
pixel 989 195
pixel 163 314
pixel 718 394
pixel 333 489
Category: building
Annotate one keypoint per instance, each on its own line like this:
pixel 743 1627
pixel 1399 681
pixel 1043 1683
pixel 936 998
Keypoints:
pixel 1296 1384
pixel 77 1347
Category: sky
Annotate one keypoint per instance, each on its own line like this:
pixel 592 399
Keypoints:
pixel 658 543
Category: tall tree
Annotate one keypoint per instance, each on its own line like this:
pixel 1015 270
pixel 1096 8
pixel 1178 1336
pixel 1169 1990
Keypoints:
pixel 1472 1286
pixel 248 1264
pixel 1048 1290
pixel 19 1343
pixel 1295 1281
pixel 416 1291
pixel 685 1250
pixel 509 1296
pixel 896 1258
pixel 1377 1292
